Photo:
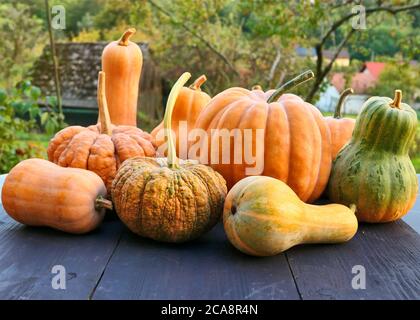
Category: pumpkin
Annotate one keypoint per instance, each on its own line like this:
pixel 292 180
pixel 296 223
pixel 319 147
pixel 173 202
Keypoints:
pixel 122 62
pixel 262 217
pixel 37 192
pixel 168 199
pixel 293 144
pixel 341 129
pixel 374 170
pixel 190 102
pixel 99 148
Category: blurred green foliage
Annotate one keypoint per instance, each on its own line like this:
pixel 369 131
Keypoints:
pixel 21 117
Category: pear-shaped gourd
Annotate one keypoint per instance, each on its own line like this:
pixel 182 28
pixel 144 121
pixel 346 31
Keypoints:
pixel 374 171
pixel 263 217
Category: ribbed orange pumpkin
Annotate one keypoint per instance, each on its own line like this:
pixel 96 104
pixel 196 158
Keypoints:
pixel 191 101
pixel 341 129
pixel 296 146
pixel 99 148
pixel 122 62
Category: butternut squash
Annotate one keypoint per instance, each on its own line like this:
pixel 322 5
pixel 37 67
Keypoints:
pixel 122 61
pixel 40 193
pixel 263 217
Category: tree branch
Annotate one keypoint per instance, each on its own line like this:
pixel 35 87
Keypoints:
pixel 196 35
pixel 321 72
pixel 392 10
pixel 324 72
pixel 274 66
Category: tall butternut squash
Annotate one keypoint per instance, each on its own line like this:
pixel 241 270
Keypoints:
pixel 122 62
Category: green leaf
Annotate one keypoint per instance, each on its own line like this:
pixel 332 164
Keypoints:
pixel 44 118
pixel 35 93
pixel 3 96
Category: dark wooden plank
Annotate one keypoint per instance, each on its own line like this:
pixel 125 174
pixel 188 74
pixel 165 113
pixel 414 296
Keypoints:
pixel 209 268
pixel 413 217
pixel 27 256
pixel 390 254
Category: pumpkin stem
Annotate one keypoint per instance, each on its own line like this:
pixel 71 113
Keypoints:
pixel 353 207
pixel 339 107
pixel 257 87
pixel 173 161
pixel 104 118
pixel 125 38
pixel 302 78
pixel 102 203
pixel 198 82
pixel 397 99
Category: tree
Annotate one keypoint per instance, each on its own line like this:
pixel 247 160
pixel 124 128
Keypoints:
pixel 398 75
pixel 22 36
pixel 342 20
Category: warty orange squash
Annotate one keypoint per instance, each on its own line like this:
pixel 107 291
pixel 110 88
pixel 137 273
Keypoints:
pixel 99 148
pixel 168 199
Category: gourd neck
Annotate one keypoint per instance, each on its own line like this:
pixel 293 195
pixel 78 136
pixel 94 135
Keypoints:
pixel 104 118
pixel 198 83
pixel 343 222
pixel 125 38
pixel 300 79
pixel 173 161
pixel 339 107
pixel 102 203
pixel 396 103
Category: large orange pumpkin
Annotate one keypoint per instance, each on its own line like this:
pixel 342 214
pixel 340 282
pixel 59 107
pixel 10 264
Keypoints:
pixel 122 62
pixel 190 102
pixel 295 144
pixel 341 129
pixel 99 148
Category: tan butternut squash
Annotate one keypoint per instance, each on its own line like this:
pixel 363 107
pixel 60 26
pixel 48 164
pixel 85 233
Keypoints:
pixel 40 193
pixel 122 61
pixel 262 217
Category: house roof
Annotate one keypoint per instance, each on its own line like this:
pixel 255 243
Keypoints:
pixel 362 81
pixel 374 68
pixel 338 81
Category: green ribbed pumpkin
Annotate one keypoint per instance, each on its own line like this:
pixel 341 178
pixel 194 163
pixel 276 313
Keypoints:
pixel 374 171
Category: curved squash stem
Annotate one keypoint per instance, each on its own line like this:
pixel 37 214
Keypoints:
pixel 104 118
pixel 198 82
pixel 173 161
pixel 257 87
pixel 125 38
pixel 302 78
pixel 339 107
pixel 353 207
pixel 102 203
pixel 397 99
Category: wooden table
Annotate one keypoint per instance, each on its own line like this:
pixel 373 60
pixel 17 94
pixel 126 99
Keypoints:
pixel 113 263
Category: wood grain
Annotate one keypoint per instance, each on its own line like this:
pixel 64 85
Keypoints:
pixel 209 268
pixel 27 256
pixel 390 254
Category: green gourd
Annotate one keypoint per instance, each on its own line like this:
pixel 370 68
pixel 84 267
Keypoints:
pixel 374 170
